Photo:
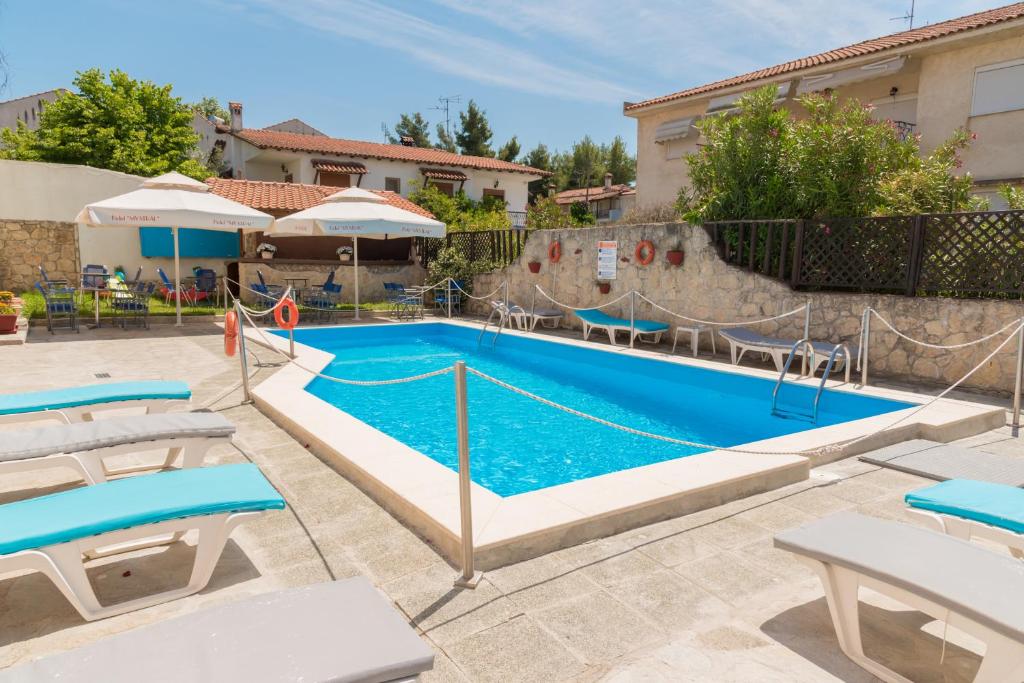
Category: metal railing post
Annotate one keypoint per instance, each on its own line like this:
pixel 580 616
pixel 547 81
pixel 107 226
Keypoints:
pixel 807 335
pixel 865 345
pixel 246 393
pixel 506 293
pixel 449 298
pixel 469 577
pixel 632 316
pixel 1017 382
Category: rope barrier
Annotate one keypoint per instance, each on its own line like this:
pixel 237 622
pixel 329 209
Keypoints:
pixel 723 324
pixel 941 346
pixel 478 298
pixel 583 308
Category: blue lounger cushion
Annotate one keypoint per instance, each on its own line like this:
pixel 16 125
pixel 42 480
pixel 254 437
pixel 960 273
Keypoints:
pixel 601 319
pixel 997 505
pixel 134 501
pixel 90 394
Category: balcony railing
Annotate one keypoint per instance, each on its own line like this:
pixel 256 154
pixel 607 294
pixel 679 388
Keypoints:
pixel 904 129
pixel 518 219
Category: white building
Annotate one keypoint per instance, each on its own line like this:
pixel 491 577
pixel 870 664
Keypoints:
pixel 26 109
pixel 295 152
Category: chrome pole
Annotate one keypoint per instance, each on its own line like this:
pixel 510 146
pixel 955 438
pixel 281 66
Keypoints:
pixel 632 320
pixel 865 345
pixel 469 577
pixel 506 293
pixel 1017 382
pixel 355 268
pixel 807 335
pixel 246 393
pixel 449 298
pixel 533 306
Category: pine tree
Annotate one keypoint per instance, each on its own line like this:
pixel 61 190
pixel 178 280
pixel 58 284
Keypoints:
pixel 588 167
pixel 539 158
pixel 618 162
pixel 510 150
pixel 414 126
pixel 474 136
pixel 444 141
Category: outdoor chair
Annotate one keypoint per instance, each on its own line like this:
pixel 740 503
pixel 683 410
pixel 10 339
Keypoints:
pixel 132 303
pixel 267 296
pixel 135 280
pixel 593 319
pixel 80 404
pixel 168 289
pixel 94 279
pixel 324 299
pixel 968 509
pixel 60 306
pixel 205 287
pixel 441 297
pixel 52 283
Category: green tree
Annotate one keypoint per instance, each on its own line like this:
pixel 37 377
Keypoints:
pixel 539 158
pixel 211 106
pixel 619 163
pixel 588 167
pixel 510 150
pixel 414 126
pixel 474 134
pixel 122 125
pixel 444 141
pixel 580 214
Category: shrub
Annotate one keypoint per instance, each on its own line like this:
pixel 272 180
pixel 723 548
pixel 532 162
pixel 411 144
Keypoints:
pixel 580 214
pixel 928 185
pixel 1014 197
pixel 546 214
pixel 450 262
pixel 459 212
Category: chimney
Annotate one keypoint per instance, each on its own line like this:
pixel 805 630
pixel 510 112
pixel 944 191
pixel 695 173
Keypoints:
pixel 236 116
pixel 607 181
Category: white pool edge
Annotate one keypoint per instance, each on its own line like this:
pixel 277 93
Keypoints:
pixel 424 494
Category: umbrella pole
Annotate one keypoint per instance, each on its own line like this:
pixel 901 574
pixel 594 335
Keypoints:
pixel 177 278
pixel 355 260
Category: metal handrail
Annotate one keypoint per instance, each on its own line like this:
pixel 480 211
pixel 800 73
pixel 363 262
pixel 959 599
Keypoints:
pixel 828 370
pixel 789 361
pixel 503 315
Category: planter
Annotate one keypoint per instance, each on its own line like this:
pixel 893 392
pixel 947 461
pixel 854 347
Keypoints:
pixel 266 255
pixel 675 256
pixel 534 266
pixel 345 257
pixel 8 323
pixel 604 287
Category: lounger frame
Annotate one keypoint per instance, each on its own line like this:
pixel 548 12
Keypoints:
pixel 87 412
pixel 612 329
pixel 778 354
pixel 63 562
pixel 969 529
pixel 1004 657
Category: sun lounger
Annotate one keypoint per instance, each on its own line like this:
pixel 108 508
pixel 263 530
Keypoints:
pixel 963 584
pixel 79 404
pixel 742 339
pixel 84 446
pixel 593 319
pixel 970 509
pixel 52 533
pixel 338 631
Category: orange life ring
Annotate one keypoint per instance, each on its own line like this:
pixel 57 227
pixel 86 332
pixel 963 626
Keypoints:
pixel 293 314
pixel 230 333
pixel 644 252
pixel 555 252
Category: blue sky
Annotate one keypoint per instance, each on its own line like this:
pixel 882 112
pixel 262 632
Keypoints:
pixel 547 70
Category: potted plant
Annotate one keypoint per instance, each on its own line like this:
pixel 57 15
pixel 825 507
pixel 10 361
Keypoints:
pixel 534 266
pixel 604 287
pixel 266 250
pixel 8 319
pixel 344 253
pixel 8 299
pixel 675 256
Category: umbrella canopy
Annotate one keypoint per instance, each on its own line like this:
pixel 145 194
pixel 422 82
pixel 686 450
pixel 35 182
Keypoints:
pixel 176 201
pixel 354 212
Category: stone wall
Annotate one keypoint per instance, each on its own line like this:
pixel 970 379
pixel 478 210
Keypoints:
pixel 24 245
pixel 371 277
pixel 706 287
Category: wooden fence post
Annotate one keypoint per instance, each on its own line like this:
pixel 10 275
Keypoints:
pixel 916 251
pixel 798 254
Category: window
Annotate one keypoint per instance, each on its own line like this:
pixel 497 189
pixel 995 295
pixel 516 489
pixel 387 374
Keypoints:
pixel 335 179
pixel 445 188
pixel 393 185
pixel 998 87
pixel 497 194
pixel 675 149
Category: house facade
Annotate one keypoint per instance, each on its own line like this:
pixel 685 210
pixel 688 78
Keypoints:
pixel 26 109
pixel 288 153
pixel 607 202
pixel 967 72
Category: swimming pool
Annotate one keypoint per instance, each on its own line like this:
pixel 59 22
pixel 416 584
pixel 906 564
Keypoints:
pixel 519 446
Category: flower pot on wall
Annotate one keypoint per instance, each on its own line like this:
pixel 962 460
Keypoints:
pixel 604 287
pixel 675 256
pixel 345 257
pixel 8 323
pixel 534 266
pixel 267 255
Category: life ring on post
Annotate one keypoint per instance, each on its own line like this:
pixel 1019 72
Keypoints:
pixel 555 252
pixel 644 252
pixel 292 320
pixel 230 333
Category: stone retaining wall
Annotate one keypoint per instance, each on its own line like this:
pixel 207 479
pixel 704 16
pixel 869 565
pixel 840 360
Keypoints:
pixel 24 245
pixel 706 287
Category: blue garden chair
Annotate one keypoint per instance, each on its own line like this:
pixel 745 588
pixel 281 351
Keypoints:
pixel 60 306
pixel 324 299
pixel 267 296
pixel 441 297
pixel 132 303
pixel 51 283
pixel 169 291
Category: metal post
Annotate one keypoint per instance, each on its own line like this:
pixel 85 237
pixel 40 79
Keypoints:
pixel 865 344
pixel 533 306
pixel 506 293
pixel 246 393
pixel 807 335
pixel 1017 382
pixel 355 261
pixel 632 317
pixel 469 577
pixel 449 298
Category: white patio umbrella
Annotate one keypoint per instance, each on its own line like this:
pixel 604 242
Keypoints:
pixel 176 201
pixel 355 213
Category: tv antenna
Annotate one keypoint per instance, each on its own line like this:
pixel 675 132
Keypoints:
pixel 908 17
pixel 444 104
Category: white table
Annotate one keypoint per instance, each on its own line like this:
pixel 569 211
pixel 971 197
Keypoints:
pixel 694 332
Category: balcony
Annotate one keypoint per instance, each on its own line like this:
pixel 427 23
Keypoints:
pixel 518 219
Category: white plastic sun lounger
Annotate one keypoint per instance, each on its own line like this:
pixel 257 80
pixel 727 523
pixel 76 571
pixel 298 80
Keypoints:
pixel 526 319
pixel 51 534
pixel 84 446
pixel 339 631
pixel 969 510
pixel 594 319
pixel 970 588
pixel 742 339
pixel 78 404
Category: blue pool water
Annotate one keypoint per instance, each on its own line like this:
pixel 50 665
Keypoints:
pixel 518 445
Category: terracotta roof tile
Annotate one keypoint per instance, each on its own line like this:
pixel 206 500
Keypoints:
pixel 595 193
pixel 338 166
pixel 281 198
pixel 867 47
pixel 443 174
pixel 316 144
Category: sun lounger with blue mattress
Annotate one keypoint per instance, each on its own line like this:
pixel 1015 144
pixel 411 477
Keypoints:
pixel 78 404
pixel 52 533
pixel 970 510
pixel 593 318
pixel 85 446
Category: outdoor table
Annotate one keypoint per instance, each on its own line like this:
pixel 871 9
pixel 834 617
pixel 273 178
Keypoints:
pixel 694 332
pixel 299 286
pixel 95 291
pixel 415 294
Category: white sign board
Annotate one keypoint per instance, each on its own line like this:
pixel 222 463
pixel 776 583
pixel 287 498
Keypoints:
pixel 607 259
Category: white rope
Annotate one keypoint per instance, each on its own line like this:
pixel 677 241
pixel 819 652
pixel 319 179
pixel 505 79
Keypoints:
pixel 584 308
pixel 478 298
pixel 943 346
pixel 723 324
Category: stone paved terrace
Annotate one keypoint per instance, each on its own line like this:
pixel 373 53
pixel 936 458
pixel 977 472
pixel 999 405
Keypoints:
pixel 700 598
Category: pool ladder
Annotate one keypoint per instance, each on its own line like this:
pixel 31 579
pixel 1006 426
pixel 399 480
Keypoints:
pixel 808 347
pixel 503 317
